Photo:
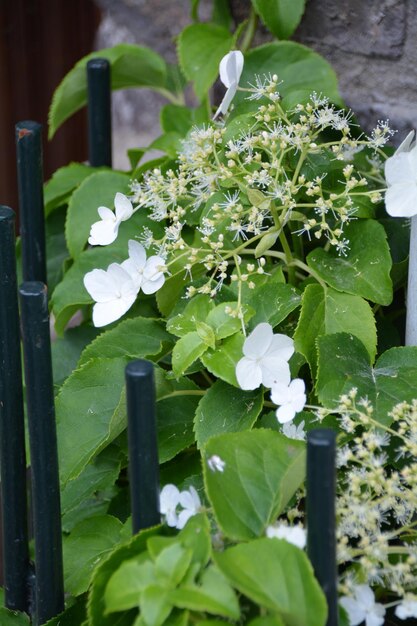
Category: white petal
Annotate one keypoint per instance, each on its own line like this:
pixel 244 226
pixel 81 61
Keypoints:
pixel 248 374
pixel 190 499
pixel 123 206
pixel 137 253
pixel 376 616
pixel 355 612
pixel 401 200
pixel 107 312
pixel 171 519
pixel 274 370
pixel 183 518
pixel 106 214
pixel 280 393
pixel 227 99
pixel 103 233
pixel 169 498
pixel 151 286
pixel 230 68
pixel 258 342
pixel 281 346
pixel 118 274
pixel 398 169
pixel 285 413
pixel 99 285
pixel 365 596
pixel 405 145
pixel 131 268
pixel 152 270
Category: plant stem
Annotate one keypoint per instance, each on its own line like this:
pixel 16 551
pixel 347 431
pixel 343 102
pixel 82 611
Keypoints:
pixel 411 319
pixel 250 31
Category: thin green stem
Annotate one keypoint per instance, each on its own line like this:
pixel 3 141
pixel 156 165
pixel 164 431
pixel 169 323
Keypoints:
pixel 250 31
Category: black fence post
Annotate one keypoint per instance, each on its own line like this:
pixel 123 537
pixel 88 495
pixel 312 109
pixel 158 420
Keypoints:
pixel 143 447
pixel 49 588
pixel 30 183
pixel 321 514
pixel 12 427
pixel 99 113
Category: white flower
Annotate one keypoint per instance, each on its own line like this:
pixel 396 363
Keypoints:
pixel 407 608
pixel 216 464
pixel 295 534
pixel 294 432
pixel 114 292
pixel 191 504
pixel 230 70
pixel 363 608
pixel 105 231
pixel 168 501
pixel 401 177
pixel 147 274
pixel 291 399
pixel 266 359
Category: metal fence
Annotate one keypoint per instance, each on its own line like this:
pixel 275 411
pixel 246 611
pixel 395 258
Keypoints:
pixel 37 587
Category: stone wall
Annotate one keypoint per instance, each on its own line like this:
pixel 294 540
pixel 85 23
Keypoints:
pixel 370 43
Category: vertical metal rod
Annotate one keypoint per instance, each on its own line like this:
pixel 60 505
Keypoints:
pixel 143 447
pixel 49 592
pixel 99 113
pixel 321 514
pixel 30 184
pixel 12 428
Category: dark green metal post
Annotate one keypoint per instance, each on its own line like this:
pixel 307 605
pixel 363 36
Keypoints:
pixel 30 184
pixel 321 514
pixel 143 447
pixel 99 113
pixel 12 428
pixel 49 593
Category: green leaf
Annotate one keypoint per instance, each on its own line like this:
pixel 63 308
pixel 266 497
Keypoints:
pixel 277 576
pixel 187 350
pixel 131 66
pixel 13 618
pixel 213 595
pixel 127 583
pixel 239 411
pixel 58 189
pixel 155 605
pixel 222 361
pixel 297 66
pixel 87 413
pixel 196 536
pixel 365 270
pixel 74 615
pixel 221 13
pixel 56 249
pixel 223 323
pixel 85 547
pixel 280 16
pixel 269 620
pixel 176 118
pixel 343 363
pixel 97 190
pixel 66 350
pixel 201 47
pixel 273 302
pixel 325 311
pixel 263 469
pixel 195 311
pixel 172 564
pixel 136 338
pixel 206 334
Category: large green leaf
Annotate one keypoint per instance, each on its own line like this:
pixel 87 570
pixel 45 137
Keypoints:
pixel 13 618
pixel 277 576
pixel 365 269
pixel 56 249
pixel 85 547
pixel 66 350
pixel 97 190
pixel 263 469
pixel 200 50
pixel 222 361
pixel 280 16
pixel 273 302
pixel 239 411
pixel 58 189
pixel 325 311
pixel 131 66
pixel 343 363
pixel 300 69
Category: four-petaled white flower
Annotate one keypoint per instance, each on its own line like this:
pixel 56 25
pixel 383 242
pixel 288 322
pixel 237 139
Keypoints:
pixel 401 177
pixel 216 464
pixel 293 534
pixel 191 504
pixel 363 608
pixel 407 608
pixel 113 291
pixel 168 501
pixel 147 274
pixel 265 359
pixel 290 399
pixel 105 231
pixel 230 70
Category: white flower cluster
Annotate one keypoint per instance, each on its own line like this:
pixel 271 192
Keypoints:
pixel 265 362
pixel 171 498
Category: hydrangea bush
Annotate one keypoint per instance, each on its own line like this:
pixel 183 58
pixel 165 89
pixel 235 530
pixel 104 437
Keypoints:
pixel 256 265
